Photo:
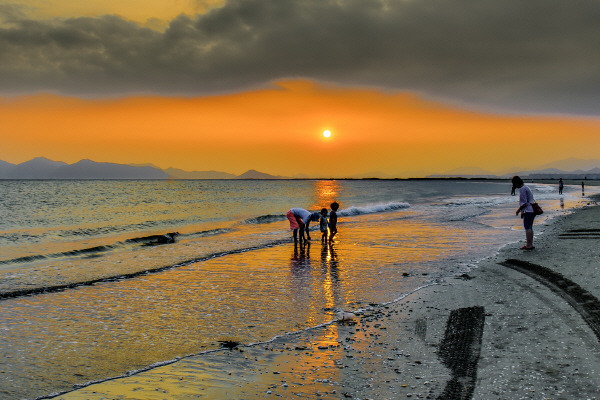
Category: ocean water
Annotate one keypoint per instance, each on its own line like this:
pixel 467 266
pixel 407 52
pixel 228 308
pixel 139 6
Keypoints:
pixel 99 279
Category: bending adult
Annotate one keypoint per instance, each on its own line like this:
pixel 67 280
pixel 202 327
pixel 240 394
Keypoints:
pixel 300 221
pixel 526 210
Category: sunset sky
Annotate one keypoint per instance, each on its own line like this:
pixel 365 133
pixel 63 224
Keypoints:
pixel 406 87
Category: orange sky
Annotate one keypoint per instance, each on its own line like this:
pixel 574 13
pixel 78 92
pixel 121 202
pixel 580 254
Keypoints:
pixel 279 131
pixel 143 11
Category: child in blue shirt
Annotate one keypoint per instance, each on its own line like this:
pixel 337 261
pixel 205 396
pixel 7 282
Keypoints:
pixel 323 223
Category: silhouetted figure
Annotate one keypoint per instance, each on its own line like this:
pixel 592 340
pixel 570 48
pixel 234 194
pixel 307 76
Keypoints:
pixel 323 223
pixel 333 220
pixel 560 186
pixel 582 188
pixel 526 210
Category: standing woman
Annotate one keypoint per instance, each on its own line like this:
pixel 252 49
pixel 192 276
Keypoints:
pixel 526 210
pixel 560 185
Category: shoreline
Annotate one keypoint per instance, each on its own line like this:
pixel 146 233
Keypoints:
pixel 491 333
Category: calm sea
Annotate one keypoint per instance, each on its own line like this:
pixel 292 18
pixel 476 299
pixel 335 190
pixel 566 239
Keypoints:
pixel 102 278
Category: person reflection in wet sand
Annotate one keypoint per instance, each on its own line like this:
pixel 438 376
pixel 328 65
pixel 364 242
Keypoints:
pixel 329 259
pixel 301 256
pixel 301 280
pixel 331 277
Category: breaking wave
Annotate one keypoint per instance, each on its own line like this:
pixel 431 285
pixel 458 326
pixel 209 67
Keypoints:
pixel 347 212
pixel 372 209
pixel 264 219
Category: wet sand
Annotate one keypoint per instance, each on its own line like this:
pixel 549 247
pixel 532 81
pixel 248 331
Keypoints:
pixel 520 325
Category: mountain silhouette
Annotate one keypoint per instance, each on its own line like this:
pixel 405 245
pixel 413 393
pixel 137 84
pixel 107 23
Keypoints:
pixel 38 168
pixel 44 168
pixel 254 174
pixel 181 174
pixel 88 169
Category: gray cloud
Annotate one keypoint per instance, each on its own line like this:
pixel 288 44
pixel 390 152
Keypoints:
pixel 10 12
pixel 537 55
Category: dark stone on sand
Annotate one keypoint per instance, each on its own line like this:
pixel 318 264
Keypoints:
pixel 465 277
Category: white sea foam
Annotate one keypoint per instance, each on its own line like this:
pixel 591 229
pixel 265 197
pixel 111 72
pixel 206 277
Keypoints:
pixel 544 188
pixel 478 201
pixel 373 208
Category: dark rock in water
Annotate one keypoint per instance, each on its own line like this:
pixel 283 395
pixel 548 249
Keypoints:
pixel 229 344
pixel 169 237
pixel 153 240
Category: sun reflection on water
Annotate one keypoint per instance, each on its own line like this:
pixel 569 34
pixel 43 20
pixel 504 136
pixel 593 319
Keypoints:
pixel 324 193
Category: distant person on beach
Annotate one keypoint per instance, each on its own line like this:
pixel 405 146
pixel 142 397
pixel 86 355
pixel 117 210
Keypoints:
pixel 323 225
pixel 299 221
pixel 333 220
pixel 526 210
pixel 582 188
pixel 560 186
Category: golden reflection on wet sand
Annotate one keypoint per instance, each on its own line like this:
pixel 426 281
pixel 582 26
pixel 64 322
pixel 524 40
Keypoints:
pixel 305 366
pixel 330 268
pixel 313 281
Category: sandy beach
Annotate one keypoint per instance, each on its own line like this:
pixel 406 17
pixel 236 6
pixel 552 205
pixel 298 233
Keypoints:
pixel 519 325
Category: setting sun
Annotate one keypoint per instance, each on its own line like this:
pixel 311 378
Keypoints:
pixel 326 133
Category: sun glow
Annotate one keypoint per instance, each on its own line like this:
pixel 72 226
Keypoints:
pixel 399 134
pixel 326 133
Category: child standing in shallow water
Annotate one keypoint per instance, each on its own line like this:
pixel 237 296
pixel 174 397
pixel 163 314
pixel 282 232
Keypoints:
pixel 333 220
pixel 323 224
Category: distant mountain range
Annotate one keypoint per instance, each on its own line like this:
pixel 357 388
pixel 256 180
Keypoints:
pixel 571 168
pixel 181 174
pixel 43 168
pixel 551 173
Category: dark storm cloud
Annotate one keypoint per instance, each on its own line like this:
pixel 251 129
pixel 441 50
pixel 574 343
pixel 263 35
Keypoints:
pixel 535 55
